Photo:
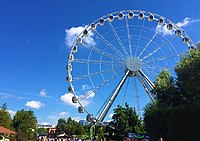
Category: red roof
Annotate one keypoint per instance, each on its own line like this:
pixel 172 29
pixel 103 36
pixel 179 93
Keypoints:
pixel 5 130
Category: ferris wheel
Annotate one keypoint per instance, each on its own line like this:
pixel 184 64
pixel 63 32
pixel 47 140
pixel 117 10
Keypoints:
pixel 116 58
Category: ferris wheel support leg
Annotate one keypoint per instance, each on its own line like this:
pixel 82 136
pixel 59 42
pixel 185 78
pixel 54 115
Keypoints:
pixel 152 86
pixel 112 98
pixel 145 88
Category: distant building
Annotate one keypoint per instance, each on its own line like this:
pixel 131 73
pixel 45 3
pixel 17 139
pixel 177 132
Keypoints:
pixel 44 126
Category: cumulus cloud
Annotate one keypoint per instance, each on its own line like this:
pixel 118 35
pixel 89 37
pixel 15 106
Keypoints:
pixel 43 93
pixel 186 21
pixel 34 104
pixel 67 98
pixel 164 30
pixel 111 115
pixel 12 113
pixel 72 34
pixel 62 114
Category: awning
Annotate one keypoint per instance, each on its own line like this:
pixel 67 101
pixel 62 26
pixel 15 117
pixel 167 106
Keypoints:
pixel 5 130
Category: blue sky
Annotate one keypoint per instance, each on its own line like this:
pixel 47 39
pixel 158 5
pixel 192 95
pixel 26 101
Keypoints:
pixel 33 49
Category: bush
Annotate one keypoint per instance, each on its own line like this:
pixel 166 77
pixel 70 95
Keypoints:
pixel 174 124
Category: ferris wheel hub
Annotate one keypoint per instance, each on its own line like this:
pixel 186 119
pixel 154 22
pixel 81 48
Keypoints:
pixel 134 64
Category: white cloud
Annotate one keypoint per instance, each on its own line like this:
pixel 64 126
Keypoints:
pixel 67 98
pixel 164 30
pixel 12 113
pixel 45 123
pixel 77 119
pixel 90 94
pixel 63 114
pixel 85 87
pixel 111 115
pixel 43 93
pixel 34 104
pixel 72 34
pixel 187 21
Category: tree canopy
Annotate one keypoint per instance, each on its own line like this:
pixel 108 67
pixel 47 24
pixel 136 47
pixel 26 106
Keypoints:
pixel 69 126
pixel 125 120
pixel 175 114
pixel 25 122
pixel 5 119
pixel 188 76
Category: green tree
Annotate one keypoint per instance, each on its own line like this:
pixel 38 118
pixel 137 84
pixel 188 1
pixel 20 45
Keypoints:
pixel 70 127
pixel 125 120
pixel 5 119
pixel 166 92
pixel 169 117
pixel 61 126
pixel 188 76
pixel 25 122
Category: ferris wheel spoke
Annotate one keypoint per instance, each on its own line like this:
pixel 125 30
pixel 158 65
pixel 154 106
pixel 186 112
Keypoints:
pixel 150 72
pixel 165 58
pixel 156 50
pixel 88 61
pixel 153 68
pixel 93 74
pixel 129 38
pixel 110 45
pixel 141 30
pixel 100 86
pixel 157 31
pixel 118 39
pixel 103 52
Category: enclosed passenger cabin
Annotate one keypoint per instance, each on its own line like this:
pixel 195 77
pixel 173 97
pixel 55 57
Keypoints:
pixel 150 18
pixel 90 118
pixel 141 16
pixel 130 15
pixel 169 26
pixel 71 89
pixel 71 58
pixel 93 26
pixel 110 18
pixel 178 32
pixel 80 109
pixel 161 21
pixel 101 22
pixel 120 16
pixel 74 99
pixel 185 40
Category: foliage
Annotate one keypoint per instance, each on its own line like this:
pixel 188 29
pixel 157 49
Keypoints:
pixel 188 76
pixel 175 115
pixel 166 92
pixel 42 131
pixel 70 127
pixel 5 119
pixel 174 124
pixel 25 122
pixel 125 120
